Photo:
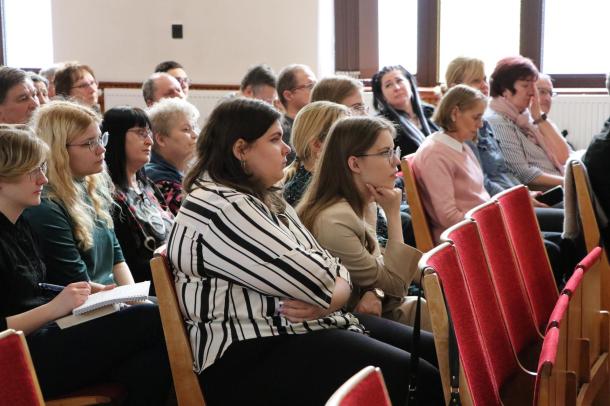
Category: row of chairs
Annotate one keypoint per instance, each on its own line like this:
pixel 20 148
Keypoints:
pixel 494 274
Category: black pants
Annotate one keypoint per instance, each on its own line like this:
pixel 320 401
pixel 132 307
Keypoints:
pixel 305 369
pixel 126 347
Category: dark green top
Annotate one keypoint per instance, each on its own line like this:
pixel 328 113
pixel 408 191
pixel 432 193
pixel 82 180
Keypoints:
pixel 65 261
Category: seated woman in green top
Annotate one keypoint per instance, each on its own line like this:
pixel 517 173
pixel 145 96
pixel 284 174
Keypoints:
pixel 73 223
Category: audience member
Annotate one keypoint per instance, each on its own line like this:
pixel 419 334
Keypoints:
pixel 18 99
pixel 73 223
pixel 546 92
pixel 159 86
pixel 174 126
pixel 448 173
pixel 232 212
pixel 534 151
pixel 497 175
pixel 294 85
pixel 260 83
pixel 396 98
pixel 343 90
pixel 597 162
pixel 356 173
pixel 141 222
pixel 126 347
pixel 309 132
pixel 76 81
pixel 41 84
pixel 177 71
pixel 49 74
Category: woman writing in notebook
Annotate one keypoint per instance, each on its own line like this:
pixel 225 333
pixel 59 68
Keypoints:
pixel 126 347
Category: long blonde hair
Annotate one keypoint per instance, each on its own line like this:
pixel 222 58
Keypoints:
pixel 311 123
pixel 58 123
pixel 333 180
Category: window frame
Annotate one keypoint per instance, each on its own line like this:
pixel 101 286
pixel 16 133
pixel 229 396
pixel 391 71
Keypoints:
pixel 357 57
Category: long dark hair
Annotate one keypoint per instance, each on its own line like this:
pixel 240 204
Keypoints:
pixel 116 122
pixel 231 120
pixel 381 105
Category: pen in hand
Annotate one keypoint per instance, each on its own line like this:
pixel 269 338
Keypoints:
pixel 51 287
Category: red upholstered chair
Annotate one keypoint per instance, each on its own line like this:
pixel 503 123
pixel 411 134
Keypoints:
pixel 186 383
pixel 545 391
pixel 421 228
pixel 19 383
pixel 474 359
pixel 367 387
pixel 507 372
pixel 508 282
pixel 524 232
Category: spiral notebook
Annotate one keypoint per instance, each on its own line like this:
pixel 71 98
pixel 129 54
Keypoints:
pixel 126 293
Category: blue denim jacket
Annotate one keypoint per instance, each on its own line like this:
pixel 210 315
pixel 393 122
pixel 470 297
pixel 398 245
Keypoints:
pixel 498 176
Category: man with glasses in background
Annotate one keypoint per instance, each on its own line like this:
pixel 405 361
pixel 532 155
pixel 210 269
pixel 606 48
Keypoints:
pixel 161 86
pixel 546 93
pixel 294 84
pixel 176 70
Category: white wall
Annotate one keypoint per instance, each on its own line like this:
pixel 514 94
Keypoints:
pixel 123 40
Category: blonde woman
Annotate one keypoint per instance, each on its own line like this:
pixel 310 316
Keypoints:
pixel 67 359
pixel 73 222
pixel 308 134
pixel 343 90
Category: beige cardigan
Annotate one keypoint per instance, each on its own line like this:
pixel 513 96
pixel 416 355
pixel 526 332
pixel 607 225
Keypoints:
pixel 344 234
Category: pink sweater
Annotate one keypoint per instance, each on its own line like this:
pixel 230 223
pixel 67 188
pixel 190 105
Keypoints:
pixel 450 181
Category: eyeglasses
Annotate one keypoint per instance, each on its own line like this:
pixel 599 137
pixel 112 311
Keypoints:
pixel 546 92
pixel 143 133
pixel 85 85
pixel 307 86
pixel 390 154
pixel 183 81
pixel 359 109
pixel 41 170
pixel 102 140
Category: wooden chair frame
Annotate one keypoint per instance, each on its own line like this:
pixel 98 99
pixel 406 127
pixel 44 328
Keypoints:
pixel 421 228
pixel 186 382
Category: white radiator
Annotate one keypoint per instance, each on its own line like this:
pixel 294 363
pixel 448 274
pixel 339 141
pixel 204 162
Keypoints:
pixel 581 115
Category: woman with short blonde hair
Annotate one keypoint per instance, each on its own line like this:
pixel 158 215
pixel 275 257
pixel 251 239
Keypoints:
pixel 73 221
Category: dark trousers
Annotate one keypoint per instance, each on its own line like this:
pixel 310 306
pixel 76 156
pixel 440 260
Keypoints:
pixel 126 347
pixel 305 369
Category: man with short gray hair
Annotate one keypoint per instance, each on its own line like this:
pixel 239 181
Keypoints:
pixel 18 99
pixel 159 86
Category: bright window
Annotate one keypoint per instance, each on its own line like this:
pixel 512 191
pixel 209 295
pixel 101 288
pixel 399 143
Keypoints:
pixel 484 29
pixel 28 33
pixel 575 34
pixel 398 33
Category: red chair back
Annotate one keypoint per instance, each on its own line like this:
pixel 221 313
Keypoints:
pixel 465 237
pixel 528 246
pixel 475 362
pixel 367 387
pixel 18 381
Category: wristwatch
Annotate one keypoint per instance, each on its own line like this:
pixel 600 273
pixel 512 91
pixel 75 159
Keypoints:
pixel 380 294
pixel 541 119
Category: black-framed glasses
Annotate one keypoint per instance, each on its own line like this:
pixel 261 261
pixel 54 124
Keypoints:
pixel 307 86
pixel 390 154
pixel 42 169
pixel 143 133
pixel 102 140
pixel 183 81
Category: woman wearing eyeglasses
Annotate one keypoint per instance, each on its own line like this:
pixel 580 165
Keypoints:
pixel 355 174
pixel 73 222
pixel 447 171
pixel 77 81
pixel 141 222
pixel 68 359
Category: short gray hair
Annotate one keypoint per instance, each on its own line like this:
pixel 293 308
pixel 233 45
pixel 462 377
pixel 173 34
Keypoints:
pixel 148 87
pixel 163 114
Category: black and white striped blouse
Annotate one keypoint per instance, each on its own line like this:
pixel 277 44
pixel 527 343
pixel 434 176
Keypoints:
pixel 234 261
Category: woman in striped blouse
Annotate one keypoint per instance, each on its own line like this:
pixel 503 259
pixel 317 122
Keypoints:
pixel 261 298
